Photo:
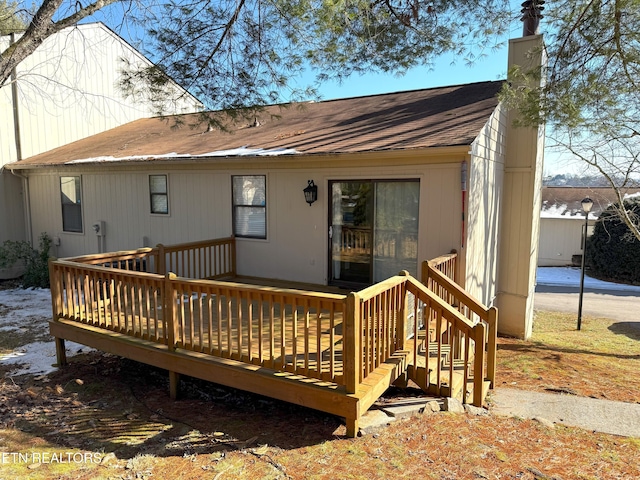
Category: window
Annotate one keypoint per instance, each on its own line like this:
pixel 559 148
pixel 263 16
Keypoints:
pixel 159 194
pixel 249 206
pixel 71 196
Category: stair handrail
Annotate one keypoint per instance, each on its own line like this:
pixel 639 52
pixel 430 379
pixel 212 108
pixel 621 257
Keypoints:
pixel 489 315
pixel 475 331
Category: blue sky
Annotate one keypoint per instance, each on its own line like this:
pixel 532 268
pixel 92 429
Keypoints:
pixel 446 71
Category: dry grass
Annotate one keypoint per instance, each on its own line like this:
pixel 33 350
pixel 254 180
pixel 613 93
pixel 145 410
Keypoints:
pixel 602 360
pixel 121 411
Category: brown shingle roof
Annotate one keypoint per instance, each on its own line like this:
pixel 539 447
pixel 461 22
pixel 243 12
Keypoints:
pixel 436 117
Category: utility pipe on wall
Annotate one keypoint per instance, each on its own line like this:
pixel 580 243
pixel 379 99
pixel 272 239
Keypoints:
pixel 14 102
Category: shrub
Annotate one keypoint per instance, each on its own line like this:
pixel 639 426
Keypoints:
pixel 36 262
pixel 613 252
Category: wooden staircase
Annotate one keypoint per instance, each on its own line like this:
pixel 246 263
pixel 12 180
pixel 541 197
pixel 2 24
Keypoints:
pixel 452 377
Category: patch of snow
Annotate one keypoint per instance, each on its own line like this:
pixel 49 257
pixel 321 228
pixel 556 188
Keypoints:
pixel 38 358
pixel 31 309
pixel 235 152
pixel 37 301
pixel 631 195
pixel 570 277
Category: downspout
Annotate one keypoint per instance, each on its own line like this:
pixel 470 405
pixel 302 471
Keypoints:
pixel 14 101
pixel 18 142
pixel 27 205
pixel 463 188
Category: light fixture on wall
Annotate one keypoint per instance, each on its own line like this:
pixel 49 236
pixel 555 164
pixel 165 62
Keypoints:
pixel 310 192
pixel 587 203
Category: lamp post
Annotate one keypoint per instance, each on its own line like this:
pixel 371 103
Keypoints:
pixel 587 203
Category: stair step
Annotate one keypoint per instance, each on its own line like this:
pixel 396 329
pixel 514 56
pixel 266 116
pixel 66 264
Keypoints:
pixel 419 377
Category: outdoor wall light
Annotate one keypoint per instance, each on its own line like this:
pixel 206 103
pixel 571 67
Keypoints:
pixel 587 203
pixel 310 192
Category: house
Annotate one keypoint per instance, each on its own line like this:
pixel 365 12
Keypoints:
pixel 562 221
pixel 65 91
pixel 405 176
pixel 381 232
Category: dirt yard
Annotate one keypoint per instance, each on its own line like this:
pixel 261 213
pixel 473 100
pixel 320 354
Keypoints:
pixel 103 417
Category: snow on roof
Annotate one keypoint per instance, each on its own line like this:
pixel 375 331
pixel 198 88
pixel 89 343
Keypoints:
pixel 235 152
pixel 565 202
pixel 560 211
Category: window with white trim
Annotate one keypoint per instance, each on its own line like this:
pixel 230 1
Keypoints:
pixel 71 199
pixel 159 194
pixel 249 206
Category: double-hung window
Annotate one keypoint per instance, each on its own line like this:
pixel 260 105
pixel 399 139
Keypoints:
pixel 159 194
pixel 71 198
pixel 249 206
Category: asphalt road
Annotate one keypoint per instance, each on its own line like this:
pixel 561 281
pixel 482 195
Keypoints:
pixel 617 305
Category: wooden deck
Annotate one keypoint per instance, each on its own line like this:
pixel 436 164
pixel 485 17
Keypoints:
pixel 319 347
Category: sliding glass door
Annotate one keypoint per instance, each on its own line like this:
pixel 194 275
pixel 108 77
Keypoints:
pixel 373 230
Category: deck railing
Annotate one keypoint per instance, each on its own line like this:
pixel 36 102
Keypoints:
pixel 332 338
pixel 140 260
pixel 205 259
pixel 439 275
pixel 402 314
pixel 373 328
pixel 282 329
pixel 119 300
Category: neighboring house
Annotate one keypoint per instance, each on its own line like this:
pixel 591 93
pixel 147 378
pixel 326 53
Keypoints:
pixel 401 178
pixel 65 91
pixel 562 222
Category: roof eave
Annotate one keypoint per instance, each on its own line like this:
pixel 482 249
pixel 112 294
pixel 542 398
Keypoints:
pixel 443 154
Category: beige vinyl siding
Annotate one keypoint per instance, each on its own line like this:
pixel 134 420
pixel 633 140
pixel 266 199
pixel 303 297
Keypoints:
pixel 11 208
pixel 67 90
pixel 12 217
pixel 121 200
pixel 7 134
pixel 484 185
pixel 296 247
pixel 560 240
pixel 521 203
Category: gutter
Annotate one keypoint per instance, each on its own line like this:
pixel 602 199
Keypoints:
pixel 413 156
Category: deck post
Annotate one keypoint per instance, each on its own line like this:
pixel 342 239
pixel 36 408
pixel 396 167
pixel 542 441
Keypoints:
pixel 174 384
pixel 55 288
pixel 425 274
pixel 352 359
pixel 169 308
pixel 478 368
pixel 61 353
pixel 233 256
pixel 404 315
pixel 162 262
pixel 492 345
pixel 352 427
pixel 56 309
